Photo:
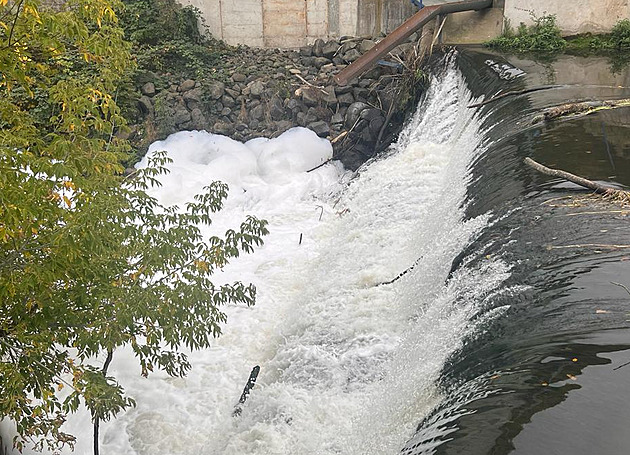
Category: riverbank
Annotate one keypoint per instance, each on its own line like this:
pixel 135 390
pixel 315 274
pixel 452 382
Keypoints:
pixel 545 40
pixel 250 92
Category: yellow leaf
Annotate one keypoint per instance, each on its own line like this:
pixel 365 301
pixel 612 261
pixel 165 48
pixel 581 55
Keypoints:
pixel 59 386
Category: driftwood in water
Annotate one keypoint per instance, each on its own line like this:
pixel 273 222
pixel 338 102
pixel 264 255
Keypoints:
pixel 401 274
pixel 573 109
pixel 597 187
pixel 248 387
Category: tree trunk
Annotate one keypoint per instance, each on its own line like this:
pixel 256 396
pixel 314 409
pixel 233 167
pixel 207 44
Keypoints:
pixel 95 417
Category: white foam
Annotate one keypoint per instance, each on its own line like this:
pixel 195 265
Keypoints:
pixel 347 366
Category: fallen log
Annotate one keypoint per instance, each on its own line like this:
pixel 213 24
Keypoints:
pixel 578 109
pixel 581 181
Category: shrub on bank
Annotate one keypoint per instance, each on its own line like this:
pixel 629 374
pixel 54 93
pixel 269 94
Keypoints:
pixel 166 37
pixel 542 36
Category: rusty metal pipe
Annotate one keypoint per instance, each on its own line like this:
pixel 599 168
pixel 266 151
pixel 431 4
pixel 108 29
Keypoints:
pixel 404 31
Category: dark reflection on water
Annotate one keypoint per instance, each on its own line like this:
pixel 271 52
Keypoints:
pixel 546 377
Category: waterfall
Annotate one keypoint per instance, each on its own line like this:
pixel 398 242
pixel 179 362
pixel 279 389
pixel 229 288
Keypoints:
pixel 455 354
pixel 347 366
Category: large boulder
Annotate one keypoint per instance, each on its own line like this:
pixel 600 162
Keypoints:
pixel 366 45
pixel 351 55
pixel 148 89
pixel 146 106
pixel 354 112
pixel 256 88
pixel 276 108
pixel 181 116
pixel 318 48
pixel 224 128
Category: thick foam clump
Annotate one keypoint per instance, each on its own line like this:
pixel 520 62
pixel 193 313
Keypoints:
pixel 255 166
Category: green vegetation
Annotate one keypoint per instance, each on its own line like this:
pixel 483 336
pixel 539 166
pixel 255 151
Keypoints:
pixel 166 38
pixel 542 36
pixel 615 45
pixel 168 47
pixel 618 40
pixel 89 262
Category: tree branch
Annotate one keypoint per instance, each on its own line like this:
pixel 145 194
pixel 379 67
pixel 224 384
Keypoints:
pixel 581 181
pixel 17 14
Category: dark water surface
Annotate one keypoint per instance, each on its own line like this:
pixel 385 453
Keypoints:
pixel 548 376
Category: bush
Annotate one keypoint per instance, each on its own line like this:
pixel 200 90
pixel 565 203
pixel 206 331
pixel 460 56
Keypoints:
pixel 166 38
pixel 151 22
pixel 620 35
pixel 542 36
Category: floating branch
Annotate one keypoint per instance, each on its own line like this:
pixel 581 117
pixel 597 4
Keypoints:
pixel 575 109
pixel 597 187
pixel 401 274
pixel 601 246
pixel 248 387
pixel 321 165
pixel 621 285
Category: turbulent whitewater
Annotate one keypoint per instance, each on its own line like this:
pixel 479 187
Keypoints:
pixel 348 366
pixel 504 327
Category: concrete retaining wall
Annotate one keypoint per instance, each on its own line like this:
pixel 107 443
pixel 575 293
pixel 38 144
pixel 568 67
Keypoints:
pixel 295 23
pixel 573 16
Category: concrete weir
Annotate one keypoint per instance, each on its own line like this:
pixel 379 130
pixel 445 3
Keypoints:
pixel 295 23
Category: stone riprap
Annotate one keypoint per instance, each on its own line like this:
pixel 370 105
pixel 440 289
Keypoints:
pixel 264 92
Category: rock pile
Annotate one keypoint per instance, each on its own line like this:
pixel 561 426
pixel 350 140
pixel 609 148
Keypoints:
pixel 264 92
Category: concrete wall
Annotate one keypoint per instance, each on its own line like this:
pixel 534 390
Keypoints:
pixel 294 23
pixel 574 16
pixel 473 27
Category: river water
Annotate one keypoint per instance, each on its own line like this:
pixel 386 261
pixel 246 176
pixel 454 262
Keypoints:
pixel 547 376
pixel 506 336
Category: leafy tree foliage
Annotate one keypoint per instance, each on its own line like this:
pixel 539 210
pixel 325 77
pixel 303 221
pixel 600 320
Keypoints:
pixel 88 261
